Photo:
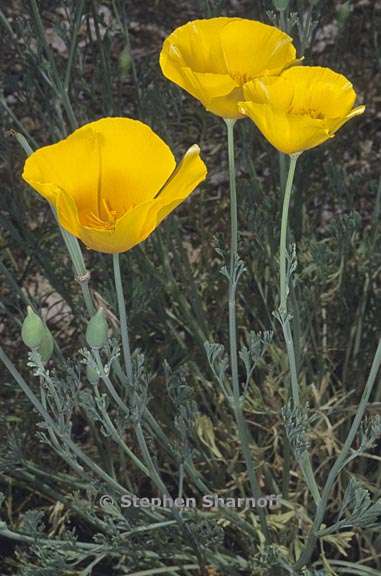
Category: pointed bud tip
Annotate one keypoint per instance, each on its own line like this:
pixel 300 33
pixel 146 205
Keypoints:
pixel 96 332
pixel 193 150
pixel 32 329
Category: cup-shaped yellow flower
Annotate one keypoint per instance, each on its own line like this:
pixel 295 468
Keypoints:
pixel 113 181
pixel 301 108
pixel 213 58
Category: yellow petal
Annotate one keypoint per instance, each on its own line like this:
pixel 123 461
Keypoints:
pixel 301 108
pixel 112 181
pixel 253 49
pixel 212 59
pixel 129 230
pixel 289 133
pixel 102 167
pixel 203 86
pixel 335 123
pixel 276 90
pixel 67 213
pixel 139 222
pixel 134 162
pixel 70 165
pixel 189 173
pixel 196 45
pixel 226 106
pixel 320 89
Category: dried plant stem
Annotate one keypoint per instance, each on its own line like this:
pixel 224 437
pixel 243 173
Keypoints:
pixel 243 431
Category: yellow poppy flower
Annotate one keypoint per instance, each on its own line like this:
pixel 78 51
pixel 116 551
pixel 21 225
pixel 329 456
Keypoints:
pixel 113 181
pixel 301 108
pixel 212 59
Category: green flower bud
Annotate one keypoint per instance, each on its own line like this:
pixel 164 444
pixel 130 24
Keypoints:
pixel 32 329
pixel 343 11
pixel 280 4
pixel 46 347
pixel 125 62
pixel 96 332
pixel 92 375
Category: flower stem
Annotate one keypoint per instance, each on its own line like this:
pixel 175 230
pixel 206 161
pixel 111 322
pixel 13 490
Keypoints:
pixel 51 424
pixel 82 275
pixel 123 318
pixel 59 87
pixel 233 195
pixel 283 234
pixel 340 461
pixel 305 461
pixel 153 473
pixel 243 431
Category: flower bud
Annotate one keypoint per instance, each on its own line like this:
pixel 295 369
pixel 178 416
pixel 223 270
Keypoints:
pixel 280 5
pixel 96 332
pixel 92 375
pixel 125 62
pixel 32 329
pixel 46 347
pixel 343 11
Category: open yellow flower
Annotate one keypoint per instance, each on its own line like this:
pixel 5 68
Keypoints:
pixel 301 108
pixel 113 181
pixel 212 59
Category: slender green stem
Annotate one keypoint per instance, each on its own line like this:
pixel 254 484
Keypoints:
pixel 286 468
pixel 282 170
pixel 346 568
pixel 82 275
pixel 156 479
pixel 123 318
pixel 73 247
pixel 51 424
pixel 305 461
pixel 73 43
pixel 340 462
pixel 243 431
pixel 124 27
pixel 118 400
pixel 233 195
pixel 233 260
pixel 19 125
pixel 23 142
pixel 283 235
pixel 287 333
pixel 154 475
pixel 58 84
pixel 283 21
pixel 165 570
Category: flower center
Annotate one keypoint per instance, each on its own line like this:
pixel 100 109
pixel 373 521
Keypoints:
pixel 311 112
pixel 105 219
pixel 241 77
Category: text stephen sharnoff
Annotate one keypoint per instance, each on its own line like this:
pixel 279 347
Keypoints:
pixel 207 501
